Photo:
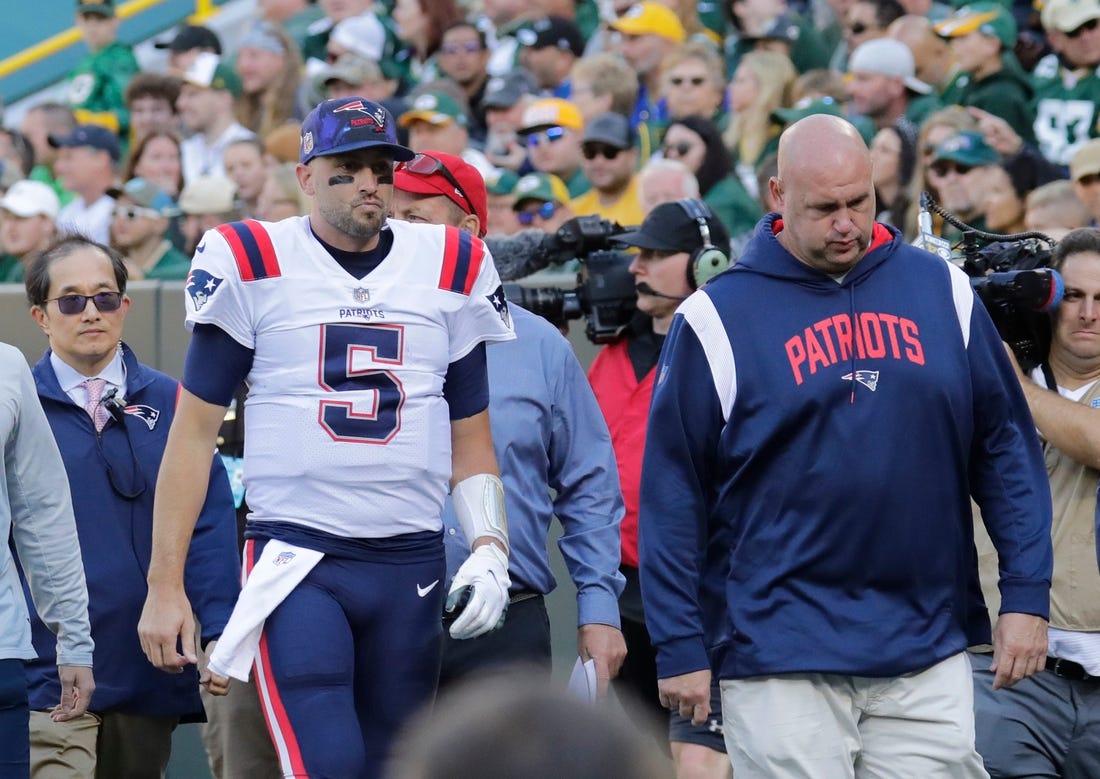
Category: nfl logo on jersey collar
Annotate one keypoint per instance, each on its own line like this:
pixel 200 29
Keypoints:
pixel 347 124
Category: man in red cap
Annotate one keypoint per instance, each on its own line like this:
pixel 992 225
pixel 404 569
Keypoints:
pixel 439 188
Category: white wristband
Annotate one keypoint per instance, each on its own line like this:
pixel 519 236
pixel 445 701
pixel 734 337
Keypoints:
pixel 479 506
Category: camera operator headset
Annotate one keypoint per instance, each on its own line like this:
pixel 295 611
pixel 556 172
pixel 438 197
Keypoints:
pixel 704 262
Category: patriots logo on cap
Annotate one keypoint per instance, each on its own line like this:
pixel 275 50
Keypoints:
pixel 500 303
pixel 355 105
pixel 146 414
pixel 200 286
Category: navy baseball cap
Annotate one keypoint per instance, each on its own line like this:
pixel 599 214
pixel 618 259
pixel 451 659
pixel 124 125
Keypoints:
pixel 346 124
pixel 91 135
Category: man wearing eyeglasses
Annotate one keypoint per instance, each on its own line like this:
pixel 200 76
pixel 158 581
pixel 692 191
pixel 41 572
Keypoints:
pixel 549 434
pixel 1067 88
pixel 138 231
pixel 110 416
pixel 551 130
pixel 609 163
pixel 464 58
pixel 363 343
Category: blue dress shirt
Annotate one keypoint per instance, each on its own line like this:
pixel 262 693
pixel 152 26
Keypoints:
pixel 549 434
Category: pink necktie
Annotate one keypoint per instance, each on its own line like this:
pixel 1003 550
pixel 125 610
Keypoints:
pixel 96 410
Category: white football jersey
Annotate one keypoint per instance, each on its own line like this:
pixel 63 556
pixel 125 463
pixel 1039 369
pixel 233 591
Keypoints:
pixel 346 429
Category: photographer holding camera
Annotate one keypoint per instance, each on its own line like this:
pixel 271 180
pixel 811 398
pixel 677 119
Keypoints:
pixel 681 245
pixel 1049 724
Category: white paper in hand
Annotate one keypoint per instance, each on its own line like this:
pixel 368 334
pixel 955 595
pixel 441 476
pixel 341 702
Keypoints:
pixel 582 682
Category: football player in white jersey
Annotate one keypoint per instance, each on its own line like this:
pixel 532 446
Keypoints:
pixel 363 344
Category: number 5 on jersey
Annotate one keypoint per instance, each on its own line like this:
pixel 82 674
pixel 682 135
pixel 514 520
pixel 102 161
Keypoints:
pixel 345 349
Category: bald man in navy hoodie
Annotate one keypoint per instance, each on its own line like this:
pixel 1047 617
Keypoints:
pixel 824 412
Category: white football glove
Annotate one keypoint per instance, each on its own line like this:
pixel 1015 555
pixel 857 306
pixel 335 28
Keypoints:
pixel 482 582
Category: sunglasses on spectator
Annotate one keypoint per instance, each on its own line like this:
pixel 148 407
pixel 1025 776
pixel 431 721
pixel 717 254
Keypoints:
pixel 105 302
pixel 695 81
pixel 427 165
pixel 1089 26
pixel 133 212
pixel 858 28
pixel 549 135
pixel 943 167
pixel 594 150
pixel 676 149
pixel 545 211
pixel 458 48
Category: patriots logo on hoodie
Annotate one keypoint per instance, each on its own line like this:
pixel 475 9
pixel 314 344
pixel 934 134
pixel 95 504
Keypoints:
pixel 868 379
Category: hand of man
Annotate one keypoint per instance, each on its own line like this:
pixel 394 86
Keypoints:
pixel 77 686
pixel 482 581
pixel 604 645
pixel 165 618
pixel 688 693
pixel 214 684
pixel 1019 648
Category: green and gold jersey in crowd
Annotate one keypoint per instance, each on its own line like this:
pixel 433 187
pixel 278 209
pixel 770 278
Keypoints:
pixel 1065 108
pixel 97 86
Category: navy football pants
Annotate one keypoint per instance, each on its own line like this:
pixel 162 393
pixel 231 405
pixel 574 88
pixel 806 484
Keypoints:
pixel 346 659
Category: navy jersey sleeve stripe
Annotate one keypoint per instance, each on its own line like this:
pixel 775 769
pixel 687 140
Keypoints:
pixel 462 255
pixel 252 249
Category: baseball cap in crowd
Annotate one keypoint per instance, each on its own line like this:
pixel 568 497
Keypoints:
pixel 347 124
pixel 967 147
pixel 807 106
pixel 1068 15
pixel 782 28
pixel 1085 161
pixel 351 69
pixel 363 35
pixel 888 57
pixel 670 228
pixel 540 186
pixel 27 198
pixel 553 32
pixel 192 36
pixel 261 35
pixel 505 91
pixel 610 128
pixel 501 181
pixel 651 18
pixel 97 7
pixel 988 18
pixel 208 195
pixel 91 135
pixel 551 112
pixel 436 108
pixel 437 173
pixel 208 71
pixel 146 194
